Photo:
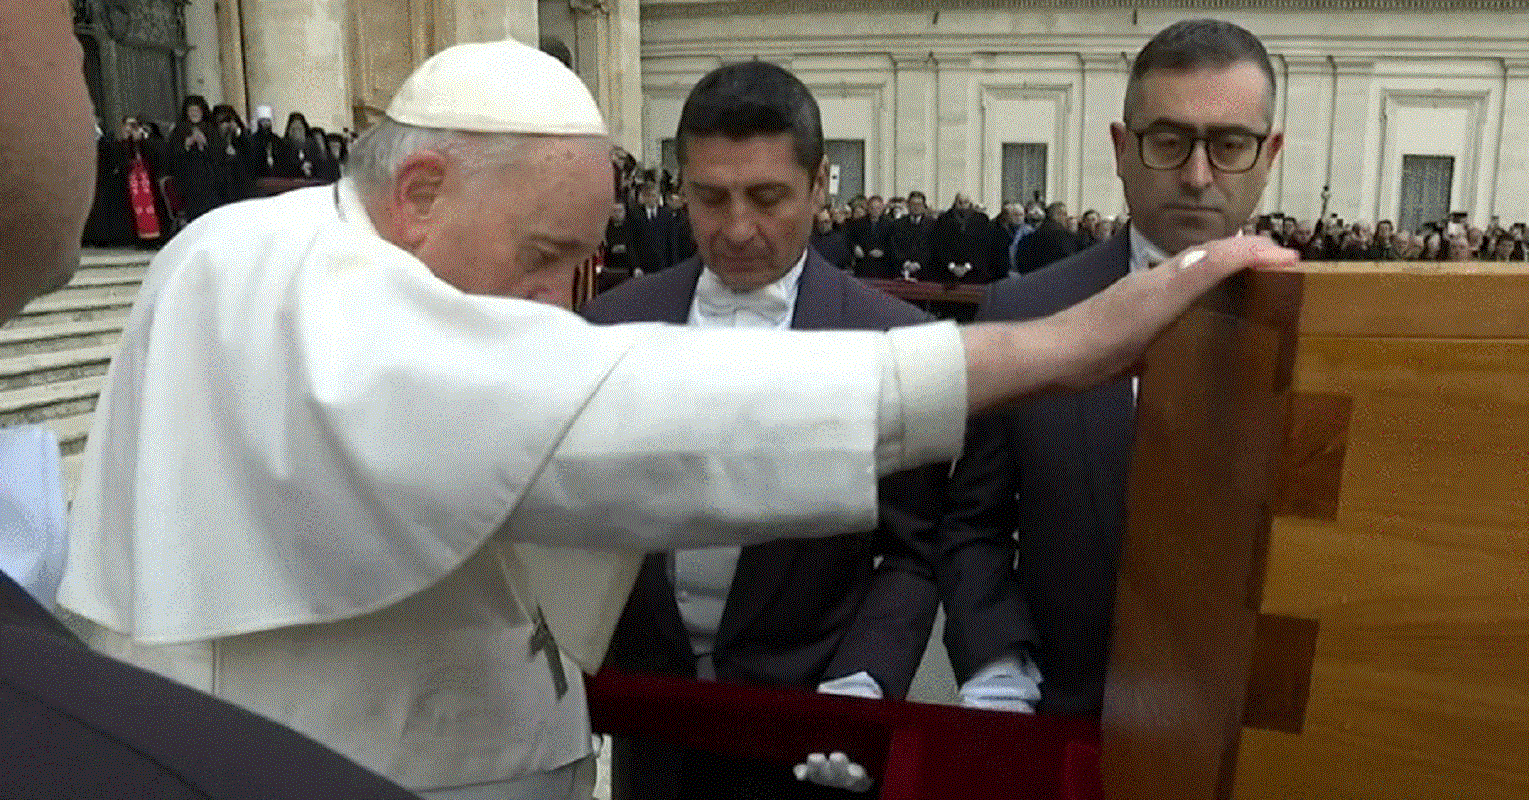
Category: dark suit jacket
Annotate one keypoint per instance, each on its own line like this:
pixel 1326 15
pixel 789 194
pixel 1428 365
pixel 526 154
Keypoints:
pixel 1045 245
pixel 800 611
pixel 655 238
pixel 909 241
pixel 76 725
pixel 868 235
pixel 1053 469
pixel 961 237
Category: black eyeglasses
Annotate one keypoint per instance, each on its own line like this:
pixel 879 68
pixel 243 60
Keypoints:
pixel 1231 150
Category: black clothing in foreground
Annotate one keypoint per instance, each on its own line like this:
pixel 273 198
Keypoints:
pixel 76 725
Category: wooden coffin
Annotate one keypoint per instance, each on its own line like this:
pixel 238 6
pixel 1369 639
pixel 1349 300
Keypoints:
pixel 1324 592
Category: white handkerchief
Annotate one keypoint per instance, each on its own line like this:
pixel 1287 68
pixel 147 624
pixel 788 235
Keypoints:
pixel 33 541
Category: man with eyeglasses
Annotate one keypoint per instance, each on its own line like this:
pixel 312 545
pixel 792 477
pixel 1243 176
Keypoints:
pixel 1193 153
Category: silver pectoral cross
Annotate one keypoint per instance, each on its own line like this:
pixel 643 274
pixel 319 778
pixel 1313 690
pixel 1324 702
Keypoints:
pixel 541 639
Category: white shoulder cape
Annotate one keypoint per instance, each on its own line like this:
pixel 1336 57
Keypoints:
pixel 304 424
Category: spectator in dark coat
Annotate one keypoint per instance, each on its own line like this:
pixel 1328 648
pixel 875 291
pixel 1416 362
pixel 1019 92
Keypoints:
pixel 1052 241
pixel 961 245
pixel 233 156
pixel 297 157
pixel 194 159
pixel 654 225
pixel 868 239
pixel 830 242
pixel 682 244
pixel 1001 233
pixel 263 150
pixel 620 234
pixel 908 244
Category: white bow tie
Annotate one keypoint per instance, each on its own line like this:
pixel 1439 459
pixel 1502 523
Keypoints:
pixel 762 307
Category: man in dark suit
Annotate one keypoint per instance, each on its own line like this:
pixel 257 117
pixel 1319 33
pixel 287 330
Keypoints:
pixel 1193 154
pixel 960 245
pixel 654 227
pixel 76 725
pixel 868 236
pixel 908 241
pixel 819 614
pixel 1047 244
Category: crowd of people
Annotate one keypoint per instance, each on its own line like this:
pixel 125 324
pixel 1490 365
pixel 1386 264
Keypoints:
pixel 902 237
pixel 149 185
pixel 1450 239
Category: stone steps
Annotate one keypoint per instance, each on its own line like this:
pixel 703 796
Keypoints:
pixel 31 369
pixel 54 354
pixel 109 275
pixel 102 330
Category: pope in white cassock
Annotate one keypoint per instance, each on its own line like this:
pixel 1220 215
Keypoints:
pixel 345 475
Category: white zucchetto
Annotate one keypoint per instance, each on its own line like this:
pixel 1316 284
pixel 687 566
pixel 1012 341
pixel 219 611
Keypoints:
pixel 497 87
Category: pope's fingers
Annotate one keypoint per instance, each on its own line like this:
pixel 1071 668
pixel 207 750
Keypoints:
pixel 1226 256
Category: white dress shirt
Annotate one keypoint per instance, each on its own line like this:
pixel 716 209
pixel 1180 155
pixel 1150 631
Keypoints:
pixel 702 577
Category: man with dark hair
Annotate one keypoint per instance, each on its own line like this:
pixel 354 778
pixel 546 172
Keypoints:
pixel 817 613
pixel 1193 153
pixel 908 241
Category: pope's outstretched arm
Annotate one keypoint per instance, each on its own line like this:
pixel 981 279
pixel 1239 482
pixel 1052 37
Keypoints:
pixel 749 438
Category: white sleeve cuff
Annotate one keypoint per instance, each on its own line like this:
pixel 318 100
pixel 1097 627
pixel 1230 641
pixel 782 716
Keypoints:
pixel 1009 683
pixel 860 684
pixel 927 383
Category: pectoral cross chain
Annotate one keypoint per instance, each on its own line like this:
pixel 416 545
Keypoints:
pixel 541 639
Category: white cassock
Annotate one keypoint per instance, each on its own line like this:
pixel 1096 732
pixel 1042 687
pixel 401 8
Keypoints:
pixel 328 487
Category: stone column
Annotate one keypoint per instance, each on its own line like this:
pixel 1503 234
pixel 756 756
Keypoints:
pixel 204 65
pixel 491 20
pixel 296 59
pixel 1512 184
pixel 1353 181
pixel 955 167
pixel 913 112
pixel 1307 126
pixel 1102 90
pixel 609 59
pixel 231 46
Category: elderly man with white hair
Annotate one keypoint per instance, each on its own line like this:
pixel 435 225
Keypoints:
pixel 345 475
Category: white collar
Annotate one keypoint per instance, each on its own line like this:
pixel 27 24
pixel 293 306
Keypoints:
pixel 770 306
pixel 348 200
pixel 1143 252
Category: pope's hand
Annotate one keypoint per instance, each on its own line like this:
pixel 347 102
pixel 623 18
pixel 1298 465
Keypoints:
pixel 1115 326
pixel 834 770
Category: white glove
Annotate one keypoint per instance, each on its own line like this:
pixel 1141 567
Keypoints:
pixel 837 770
pixel 1007 683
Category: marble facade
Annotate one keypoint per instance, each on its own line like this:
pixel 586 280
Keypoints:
pixel 934 89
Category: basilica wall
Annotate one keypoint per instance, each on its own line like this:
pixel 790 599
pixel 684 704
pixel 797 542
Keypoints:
pixel 1398 108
